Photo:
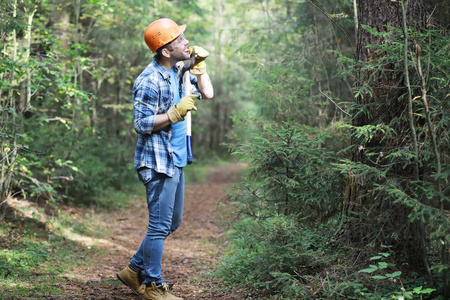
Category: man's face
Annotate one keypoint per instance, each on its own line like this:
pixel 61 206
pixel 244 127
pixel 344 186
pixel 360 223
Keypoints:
pixel 180 49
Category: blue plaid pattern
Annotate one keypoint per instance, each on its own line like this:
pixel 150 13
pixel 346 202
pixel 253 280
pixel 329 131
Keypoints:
pixel 152 95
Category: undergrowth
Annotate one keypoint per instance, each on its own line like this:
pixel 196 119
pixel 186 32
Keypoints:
pixel 279 258
pixel 276 254
pixel 40 248
pixel 33 257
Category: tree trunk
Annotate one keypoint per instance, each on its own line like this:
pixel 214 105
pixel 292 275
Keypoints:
pixel 25 96
pixel 9 118
pixel 216 106
pixel 60 22
pixel 380 15
pixel 382 103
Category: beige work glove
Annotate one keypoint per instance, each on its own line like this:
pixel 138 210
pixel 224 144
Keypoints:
pixel 199 66
pixel 177 112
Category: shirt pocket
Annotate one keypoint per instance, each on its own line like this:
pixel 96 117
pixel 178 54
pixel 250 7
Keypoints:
pixel 165 103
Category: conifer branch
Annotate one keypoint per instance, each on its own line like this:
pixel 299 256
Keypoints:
pixel 410 104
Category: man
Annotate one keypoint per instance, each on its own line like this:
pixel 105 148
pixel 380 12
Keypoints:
pixel 159 108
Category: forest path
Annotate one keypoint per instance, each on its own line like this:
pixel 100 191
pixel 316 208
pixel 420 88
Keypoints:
pixel 189 255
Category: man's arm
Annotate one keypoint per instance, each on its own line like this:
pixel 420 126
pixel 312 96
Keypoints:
pixel 176 113
pixel 205 85
pixel 144 109
pixel 198 69
pixel 148 124
pixel 161 121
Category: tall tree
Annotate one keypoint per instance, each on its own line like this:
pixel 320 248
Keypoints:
pixel 393 161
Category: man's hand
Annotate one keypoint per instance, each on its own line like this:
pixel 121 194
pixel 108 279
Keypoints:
pixel 199 66
pixel 177 112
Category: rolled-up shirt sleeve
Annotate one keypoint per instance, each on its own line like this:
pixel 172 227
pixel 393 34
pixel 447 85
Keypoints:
pixel 145 107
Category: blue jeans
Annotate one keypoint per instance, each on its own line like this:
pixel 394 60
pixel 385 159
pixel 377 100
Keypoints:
pixel 165 198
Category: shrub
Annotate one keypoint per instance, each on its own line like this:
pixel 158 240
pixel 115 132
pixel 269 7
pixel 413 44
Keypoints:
pixel 275 254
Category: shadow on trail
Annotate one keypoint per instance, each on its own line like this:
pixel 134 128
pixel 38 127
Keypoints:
pixel 190 255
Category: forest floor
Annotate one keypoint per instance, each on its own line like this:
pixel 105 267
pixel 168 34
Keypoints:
pixel 190 254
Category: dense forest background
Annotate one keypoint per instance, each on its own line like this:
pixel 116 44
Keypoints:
pixel 341 109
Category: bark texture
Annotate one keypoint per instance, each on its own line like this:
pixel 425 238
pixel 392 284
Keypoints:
pixel 376 221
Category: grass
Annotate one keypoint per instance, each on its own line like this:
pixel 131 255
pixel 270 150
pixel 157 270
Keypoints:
pixel 33 261
pixel 37 250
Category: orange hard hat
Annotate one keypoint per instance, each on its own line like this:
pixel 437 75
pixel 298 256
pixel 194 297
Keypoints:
pixel 162 32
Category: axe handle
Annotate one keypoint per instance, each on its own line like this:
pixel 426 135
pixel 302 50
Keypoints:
pixel 187 91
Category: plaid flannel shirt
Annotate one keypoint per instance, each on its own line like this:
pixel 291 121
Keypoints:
pixel 152 95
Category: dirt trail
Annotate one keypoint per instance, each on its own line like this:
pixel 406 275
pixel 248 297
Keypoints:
pixel 190 253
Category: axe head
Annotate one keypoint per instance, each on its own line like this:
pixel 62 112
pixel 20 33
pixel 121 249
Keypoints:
pixel 188 63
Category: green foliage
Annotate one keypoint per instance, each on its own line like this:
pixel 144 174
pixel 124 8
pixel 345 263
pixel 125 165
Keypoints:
pixel 9 22
pixel 273 254
pixel 289 140
pixel 393 285
pixel 35 252
pixel 66 128
pixel 282 92
pixel 287 198
pixel 30 72
pixel 22 262
pixel 35 261
pixel 301 176
pixel 412 213
pixel 289 174
pixel 82 66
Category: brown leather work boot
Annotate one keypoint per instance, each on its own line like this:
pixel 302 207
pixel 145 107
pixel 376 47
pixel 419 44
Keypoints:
pixel 158 292
pixel 131 279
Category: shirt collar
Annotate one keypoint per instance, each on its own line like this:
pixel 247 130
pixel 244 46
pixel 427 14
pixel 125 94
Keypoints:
pixel 165 74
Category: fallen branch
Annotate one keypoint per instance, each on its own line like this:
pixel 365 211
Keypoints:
pixel 334 103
